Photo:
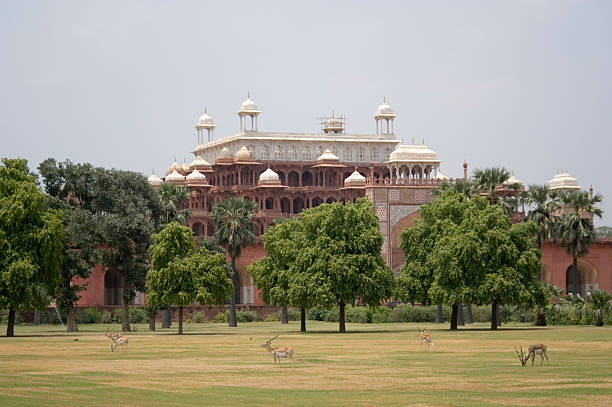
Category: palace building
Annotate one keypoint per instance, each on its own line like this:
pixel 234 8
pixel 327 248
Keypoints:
pixel 285 173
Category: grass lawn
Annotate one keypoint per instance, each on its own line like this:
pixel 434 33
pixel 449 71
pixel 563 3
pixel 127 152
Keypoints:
pixel 370 365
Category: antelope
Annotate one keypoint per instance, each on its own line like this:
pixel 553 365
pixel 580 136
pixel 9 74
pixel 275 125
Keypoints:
pixel 117 340
pixel 279 353
pixel 540 349
pixel 425 339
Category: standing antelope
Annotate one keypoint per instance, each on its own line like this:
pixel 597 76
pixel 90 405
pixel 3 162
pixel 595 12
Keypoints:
pixel 117 340
pixel 540 349
pixel 279 353
pixel 425 339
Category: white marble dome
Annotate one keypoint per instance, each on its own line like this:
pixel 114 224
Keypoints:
pixel 563 181
pixel 174 167
pixel 441 176
pixel 243 154
pixel 154 180
pixel 196 176
pixel 513 180
pixel 199 162
pixel 355 179
pixel 333 125
pixel 384 110
pixel 175 177
pixel 269 176
pixel 413 153
pixel 328 156
pixel 185 167
pixel 248 106
pixel 206 122
pixel 225 153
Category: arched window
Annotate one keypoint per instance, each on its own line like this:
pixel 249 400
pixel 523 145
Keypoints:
pixel 265 153
pixel 306 179
pixel 320 151
pixel 293 179
pixel 298 205
pixel 348 154
pixel 279 152
pixel 307 154
pixel 361 156
pixel 285 205
pixel 197 228
pixel 293 153
pixel 252 150
pixel 374 154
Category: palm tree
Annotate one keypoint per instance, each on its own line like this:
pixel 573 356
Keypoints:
pixel 235 230
pixel 488 180
pixel 172 197
pixel 575 228
pixel 544 203
pixel 599 303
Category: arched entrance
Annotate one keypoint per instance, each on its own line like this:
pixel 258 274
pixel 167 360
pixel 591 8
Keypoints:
pixel 398 258
pixel 583 281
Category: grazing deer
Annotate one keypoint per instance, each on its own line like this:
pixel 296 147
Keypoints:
pixel 279 353
pixel 117 340
pixel 539 349
pixel 425 339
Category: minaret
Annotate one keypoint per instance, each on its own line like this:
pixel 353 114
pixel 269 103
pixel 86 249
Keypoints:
pixel 205 123
pixel 465 177
pixel 385 115
pixel 248 109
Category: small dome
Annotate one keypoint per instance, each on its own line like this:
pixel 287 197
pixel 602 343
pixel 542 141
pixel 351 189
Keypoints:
pixel 441 176
pixel 384 110
pixel 328 156
pixel 225 153
pixel 333 125
pixel 248 106
pixel 174 167
pixel 355 179
pixel 413 153
pixel 205 122
pixel 175 177
pixel 513 180
pixel 243 154
pixel 199 162
pixel 269 176
pixel 185 167
pixel 196 176
pixel 563 181
pixel 154 180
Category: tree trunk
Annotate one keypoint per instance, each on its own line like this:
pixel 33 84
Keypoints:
pixel 284 315
pixel 232 315
pixel 469 318
pixel 71 323
pixel 460 318
pixel 498 315
pixel 303 320
pixel 36 317
pixel 540 317
pixel 341 319
pixel 125 316
pixel 10 326
pixel 152 323
pixel 180 319
pixel 494 315
pixel 439 315
pixel 167 317
pixel 454 313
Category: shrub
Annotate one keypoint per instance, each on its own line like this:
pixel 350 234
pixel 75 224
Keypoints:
pixel 4 317
pixel 88 316
pixel 382 315
pixel 117 315
pixel 317 314
pixel 197 317
pixel 106 317
pixel 138 315
pixel 246 315
pixel 414 313
pixel 221 317
pixel 361 315
pixel 333 315
pixel 481 313
pixel 49 316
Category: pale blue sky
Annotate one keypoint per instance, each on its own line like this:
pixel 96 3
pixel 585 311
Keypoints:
pixel 523 84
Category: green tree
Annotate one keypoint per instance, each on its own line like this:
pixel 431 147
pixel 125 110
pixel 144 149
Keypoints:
pixel 439 218
pixel 543 203
pixel 129 210
pixel 235 230
pixel 488 180
pixel 172 198
pixel 575 227
pixel 30 242
pixel 180 274
pixel 71 188
pixel 344 257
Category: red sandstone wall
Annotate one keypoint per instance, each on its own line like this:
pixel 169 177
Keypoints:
pixel 93 295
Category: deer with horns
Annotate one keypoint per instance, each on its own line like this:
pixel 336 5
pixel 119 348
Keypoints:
pixel 425 339
pixel 539 349
pixel 117 340
pixel 278 353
